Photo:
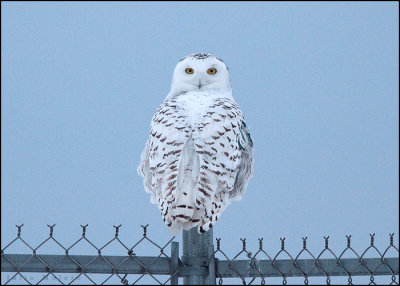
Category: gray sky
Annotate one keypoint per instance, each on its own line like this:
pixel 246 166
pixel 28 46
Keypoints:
pixel 317 82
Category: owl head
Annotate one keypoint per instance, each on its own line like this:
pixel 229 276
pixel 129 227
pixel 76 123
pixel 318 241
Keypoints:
pixel 200 72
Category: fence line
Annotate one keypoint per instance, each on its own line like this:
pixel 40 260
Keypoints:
pixel 198 263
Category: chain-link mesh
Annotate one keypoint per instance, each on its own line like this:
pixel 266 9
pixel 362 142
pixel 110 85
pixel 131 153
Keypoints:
pixel 114 267
pixel 259 268
pixel 262 265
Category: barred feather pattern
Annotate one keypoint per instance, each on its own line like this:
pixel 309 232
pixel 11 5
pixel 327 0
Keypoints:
pixel 198 158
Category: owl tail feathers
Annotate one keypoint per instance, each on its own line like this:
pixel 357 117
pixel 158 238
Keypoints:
pixel 176 227
pixel 182 219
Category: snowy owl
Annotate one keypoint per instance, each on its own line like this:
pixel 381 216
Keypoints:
pixel 199 155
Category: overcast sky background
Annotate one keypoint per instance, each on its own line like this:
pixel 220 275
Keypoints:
pixel 317 82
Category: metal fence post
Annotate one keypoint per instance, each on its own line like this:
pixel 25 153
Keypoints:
pixel 174 262
pixel 211 277
pixel 198 253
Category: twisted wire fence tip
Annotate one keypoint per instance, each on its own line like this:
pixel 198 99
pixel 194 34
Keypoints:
pixel 372 238
pixel 19 229
pixel 117 230
pixel 243 243
pixel 391 238
pixel 51 229
pixel 282 243
pixel 348 237
pixel 326 241
pixel 260 243
pixel 218 243
pixel 144 229
pixel 304 242
pixel 84 230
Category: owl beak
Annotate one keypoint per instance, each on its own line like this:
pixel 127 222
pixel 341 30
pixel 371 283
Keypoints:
pixel 199 85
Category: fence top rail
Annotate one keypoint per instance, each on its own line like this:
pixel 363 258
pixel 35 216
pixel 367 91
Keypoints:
pixel 43 263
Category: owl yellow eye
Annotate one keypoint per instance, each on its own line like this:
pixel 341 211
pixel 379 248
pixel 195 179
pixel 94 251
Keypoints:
pixel 212 71
pixel 189 70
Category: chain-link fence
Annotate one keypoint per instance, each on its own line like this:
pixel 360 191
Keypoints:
pixel 201 262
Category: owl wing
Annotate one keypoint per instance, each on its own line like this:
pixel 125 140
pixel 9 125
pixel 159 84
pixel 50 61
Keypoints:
pixel 225 150
pixel 160 160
